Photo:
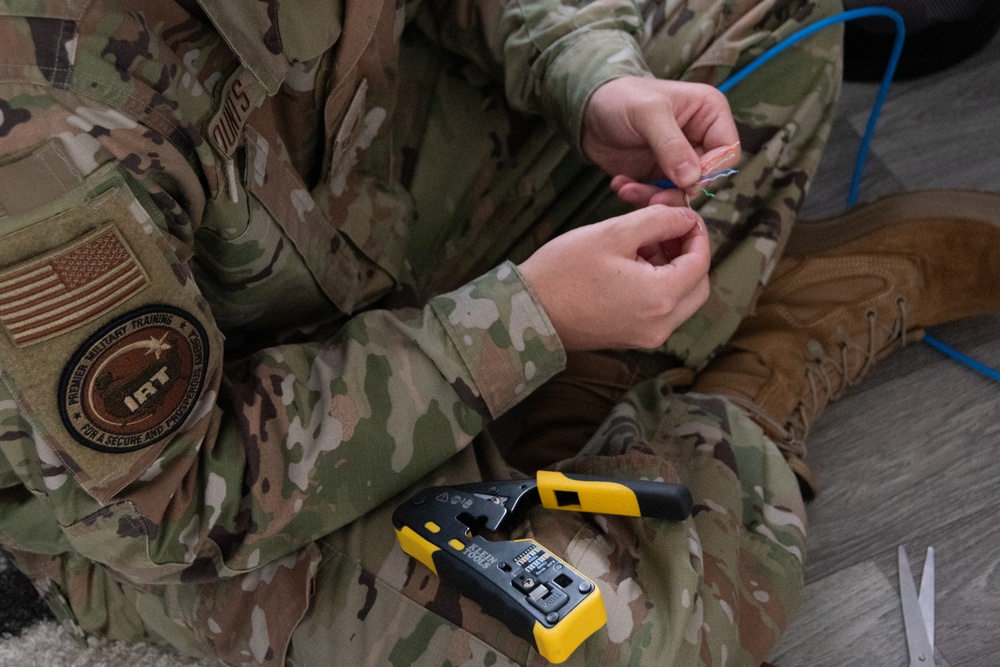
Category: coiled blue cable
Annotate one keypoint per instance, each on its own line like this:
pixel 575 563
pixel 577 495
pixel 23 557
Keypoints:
pixel 883 91
pixel 873 116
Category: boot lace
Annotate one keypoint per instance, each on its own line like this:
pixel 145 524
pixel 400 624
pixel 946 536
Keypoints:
pixel 829 376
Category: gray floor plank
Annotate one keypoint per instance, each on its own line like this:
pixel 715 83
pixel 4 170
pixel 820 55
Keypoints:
pixel 940 131
pixel 967 569
pixel 829 189
pixel 899 459
pixel 857 607
pixel 935 132
pixel 913 457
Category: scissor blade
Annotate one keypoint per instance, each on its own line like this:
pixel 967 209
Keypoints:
pixel 921 654
pixel 926 596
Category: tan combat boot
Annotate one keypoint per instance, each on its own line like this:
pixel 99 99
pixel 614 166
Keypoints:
pixel 848 291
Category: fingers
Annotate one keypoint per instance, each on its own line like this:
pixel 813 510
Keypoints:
pixel 639 194
pixel 681 287
pixel 660 224
pixel 691 264
pixel 652 225
pixel 646 273
pixel 711 124
pixel 645 129
pixel 720 158
pixel 670 296
pixel 674 153
pixel 700 119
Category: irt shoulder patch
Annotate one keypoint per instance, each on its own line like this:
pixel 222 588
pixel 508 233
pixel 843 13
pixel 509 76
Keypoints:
pixel 134 381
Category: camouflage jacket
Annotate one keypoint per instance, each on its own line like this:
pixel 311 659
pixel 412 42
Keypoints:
pixel 212 351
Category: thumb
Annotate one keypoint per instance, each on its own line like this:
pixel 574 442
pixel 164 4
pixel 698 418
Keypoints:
pixel 674 153
pixel 654 224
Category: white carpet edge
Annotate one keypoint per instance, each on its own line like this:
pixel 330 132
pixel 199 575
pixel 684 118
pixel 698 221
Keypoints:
pixel 47 643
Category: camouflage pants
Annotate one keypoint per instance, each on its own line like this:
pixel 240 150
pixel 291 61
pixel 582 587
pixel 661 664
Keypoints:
pixel 718 588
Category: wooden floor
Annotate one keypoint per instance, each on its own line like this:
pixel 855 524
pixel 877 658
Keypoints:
pixel 912 455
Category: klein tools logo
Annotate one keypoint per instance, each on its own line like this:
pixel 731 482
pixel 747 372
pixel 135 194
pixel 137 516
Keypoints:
pixel 135 381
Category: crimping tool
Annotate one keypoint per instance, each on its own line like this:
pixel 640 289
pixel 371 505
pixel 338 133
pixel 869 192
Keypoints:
pixel 537 595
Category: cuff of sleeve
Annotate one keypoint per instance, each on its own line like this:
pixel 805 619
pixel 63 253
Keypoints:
pixel 586 62
pixel 503 335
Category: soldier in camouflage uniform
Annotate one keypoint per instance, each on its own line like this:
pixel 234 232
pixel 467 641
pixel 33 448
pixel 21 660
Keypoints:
pixel 266 268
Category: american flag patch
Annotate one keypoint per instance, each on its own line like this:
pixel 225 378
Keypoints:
pixel 49 295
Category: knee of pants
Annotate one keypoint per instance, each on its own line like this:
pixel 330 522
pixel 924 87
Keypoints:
pixel 706 40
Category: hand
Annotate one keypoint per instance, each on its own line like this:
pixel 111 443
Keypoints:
pixel 626 282
pixel 640 130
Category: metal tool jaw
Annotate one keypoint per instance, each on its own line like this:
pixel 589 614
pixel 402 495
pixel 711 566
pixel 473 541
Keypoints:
pixel 538 596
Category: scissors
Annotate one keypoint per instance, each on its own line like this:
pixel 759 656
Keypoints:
pixel 918 610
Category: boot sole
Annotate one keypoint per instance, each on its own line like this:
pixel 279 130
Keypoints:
pixel 814 236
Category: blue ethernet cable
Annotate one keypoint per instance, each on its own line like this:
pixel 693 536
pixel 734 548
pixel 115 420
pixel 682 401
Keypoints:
pixel 961 358
pixel 873 116
pixel 883 92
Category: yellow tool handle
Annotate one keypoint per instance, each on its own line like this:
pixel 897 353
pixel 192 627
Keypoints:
pixel 605 495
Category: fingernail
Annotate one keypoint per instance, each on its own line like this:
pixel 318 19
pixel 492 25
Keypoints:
pixel 687 173
pixel 697 219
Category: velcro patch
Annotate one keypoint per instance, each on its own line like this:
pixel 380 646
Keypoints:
pixel 36 179
pixel 49 295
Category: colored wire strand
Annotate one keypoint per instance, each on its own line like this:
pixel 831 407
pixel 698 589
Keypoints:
pixel 873 116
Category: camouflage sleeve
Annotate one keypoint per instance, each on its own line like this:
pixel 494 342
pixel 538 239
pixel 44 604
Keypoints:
pixel 551 55
pixel 158 456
